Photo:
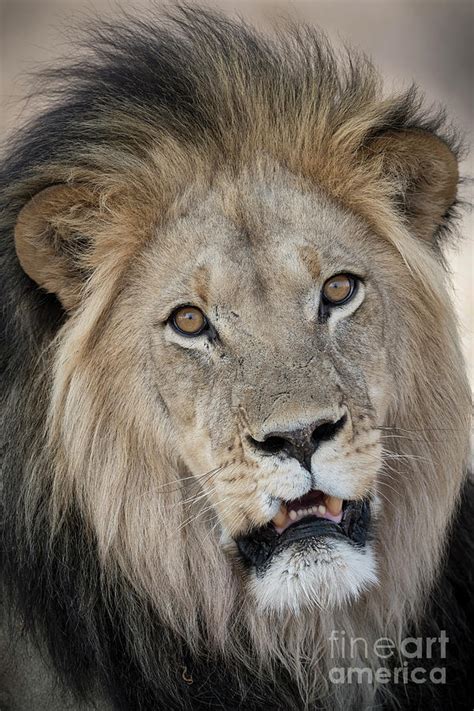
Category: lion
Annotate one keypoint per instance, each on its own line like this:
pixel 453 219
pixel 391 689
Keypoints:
pixel 235 415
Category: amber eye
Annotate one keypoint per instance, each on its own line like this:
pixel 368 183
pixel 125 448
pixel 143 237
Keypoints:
pixel 188 321
pixel 339 289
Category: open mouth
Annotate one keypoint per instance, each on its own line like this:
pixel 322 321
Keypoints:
pixel 313 516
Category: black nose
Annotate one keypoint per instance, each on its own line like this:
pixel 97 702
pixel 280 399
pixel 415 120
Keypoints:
pixel 302 443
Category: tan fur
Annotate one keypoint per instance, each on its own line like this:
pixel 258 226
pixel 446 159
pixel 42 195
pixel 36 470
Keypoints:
pixel 43 240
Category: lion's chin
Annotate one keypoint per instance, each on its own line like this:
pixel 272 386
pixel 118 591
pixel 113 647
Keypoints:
pixel 319 573
pixel 314 562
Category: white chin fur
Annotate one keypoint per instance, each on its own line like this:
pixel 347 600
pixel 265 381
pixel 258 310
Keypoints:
pixel 325 574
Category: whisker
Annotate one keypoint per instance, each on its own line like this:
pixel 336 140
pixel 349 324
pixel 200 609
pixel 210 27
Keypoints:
pixel 196 478
pixel 380 493
pixel 414 457
pixel 384 483
pixel 197 497
pixel 197 515
pixel 211 507
pixel 421 429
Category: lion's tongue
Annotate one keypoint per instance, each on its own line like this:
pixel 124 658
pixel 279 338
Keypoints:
pixel 314 503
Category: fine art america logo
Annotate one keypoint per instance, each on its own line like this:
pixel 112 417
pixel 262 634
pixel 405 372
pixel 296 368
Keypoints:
pixel 399 663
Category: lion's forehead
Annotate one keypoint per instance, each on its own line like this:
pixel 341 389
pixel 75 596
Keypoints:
pixel 254 239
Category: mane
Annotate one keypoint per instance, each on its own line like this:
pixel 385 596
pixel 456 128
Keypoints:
pixel 95 554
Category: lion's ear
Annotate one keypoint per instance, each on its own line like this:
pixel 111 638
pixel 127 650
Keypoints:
pixel 425 172
pixel 52 241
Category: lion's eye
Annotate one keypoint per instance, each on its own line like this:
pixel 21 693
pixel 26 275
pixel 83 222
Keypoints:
pixel 339 289
pixel 188 321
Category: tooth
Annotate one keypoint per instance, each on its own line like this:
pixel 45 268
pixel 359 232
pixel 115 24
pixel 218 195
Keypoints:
pixel 322 509
pixel 293 515
pixel 300 512
pixel 333 504
pixel 280 519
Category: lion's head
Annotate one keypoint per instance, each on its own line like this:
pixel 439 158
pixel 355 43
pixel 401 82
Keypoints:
pixel 250 361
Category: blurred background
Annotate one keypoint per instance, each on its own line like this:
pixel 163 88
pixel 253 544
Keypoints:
pixel 430 42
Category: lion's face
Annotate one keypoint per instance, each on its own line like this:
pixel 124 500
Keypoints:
pixel 226 385
pixel 275 401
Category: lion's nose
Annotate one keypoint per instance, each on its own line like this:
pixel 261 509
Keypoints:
pixel 300 443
